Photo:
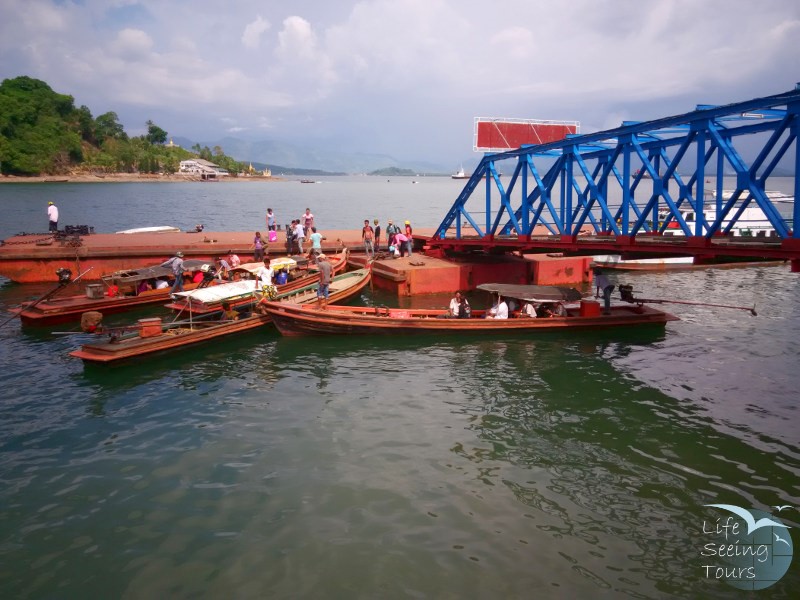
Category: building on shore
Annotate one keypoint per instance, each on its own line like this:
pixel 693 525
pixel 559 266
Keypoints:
pixel 205 169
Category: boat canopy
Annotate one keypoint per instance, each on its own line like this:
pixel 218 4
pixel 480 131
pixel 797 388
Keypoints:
pixel 533 293
pixel 221 292
pixel 136 275
pixel 275 264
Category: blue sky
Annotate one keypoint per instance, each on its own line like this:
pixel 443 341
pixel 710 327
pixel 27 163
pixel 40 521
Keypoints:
pixel 399 77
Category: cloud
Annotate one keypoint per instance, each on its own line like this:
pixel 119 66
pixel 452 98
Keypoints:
pixel 251 38
pixel 382 75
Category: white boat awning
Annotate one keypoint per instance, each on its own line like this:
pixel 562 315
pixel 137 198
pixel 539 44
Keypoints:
pixel 219 293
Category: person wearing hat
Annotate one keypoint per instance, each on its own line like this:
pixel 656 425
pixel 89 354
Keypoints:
pixel 323 291
pixel 409 234
pixel 52 216
pixel 176 264
pixel 391 231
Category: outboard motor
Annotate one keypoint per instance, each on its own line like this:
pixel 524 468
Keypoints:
pixel 626 293
pixel 64 276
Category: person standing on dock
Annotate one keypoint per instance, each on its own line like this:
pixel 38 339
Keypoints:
pixel 52 216
pixel 176 264
pixel 272 224
pixel 377 229
pixel 307 220
pixel 605 287
pixel 410 237
pixel 368 237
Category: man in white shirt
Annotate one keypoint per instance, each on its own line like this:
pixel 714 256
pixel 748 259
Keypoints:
pixel 499 310
pixel 299 236
pixel 264 273
pixel 52 216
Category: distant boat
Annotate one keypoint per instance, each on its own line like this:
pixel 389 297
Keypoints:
pixel 307 181
pixel 460 174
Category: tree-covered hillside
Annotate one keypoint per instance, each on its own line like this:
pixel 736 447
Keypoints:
pixel 43 133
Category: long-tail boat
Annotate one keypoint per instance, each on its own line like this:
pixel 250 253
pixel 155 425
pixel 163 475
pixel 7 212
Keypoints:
pixel 207 300
pixel 149 336
pixel 117 292
pixel 297 320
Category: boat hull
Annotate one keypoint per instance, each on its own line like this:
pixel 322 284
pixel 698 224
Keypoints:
pixel 68 309
pixel 294 320
pixel 342 288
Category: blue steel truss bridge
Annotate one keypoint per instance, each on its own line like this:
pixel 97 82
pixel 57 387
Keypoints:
pixel 719 181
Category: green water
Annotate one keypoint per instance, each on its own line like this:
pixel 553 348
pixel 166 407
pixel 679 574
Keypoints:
pixel 560 466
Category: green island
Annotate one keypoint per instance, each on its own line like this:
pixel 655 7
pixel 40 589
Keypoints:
pixel 43 133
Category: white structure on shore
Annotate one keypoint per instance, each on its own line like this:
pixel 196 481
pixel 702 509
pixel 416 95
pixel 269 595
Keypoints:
pixel 203 168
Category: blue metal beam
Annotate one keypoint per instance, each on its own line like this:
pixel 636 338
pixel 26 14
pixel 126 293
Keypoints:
pixel 597 184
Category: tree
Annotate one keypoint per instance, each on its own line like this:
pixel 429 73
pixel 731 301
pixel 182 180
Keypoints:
pixel 107 126
pixel 85 123
pixel 155 135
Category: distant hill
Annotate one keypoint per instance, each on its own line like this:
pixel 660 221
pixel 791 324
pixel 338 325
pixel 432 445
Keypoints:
pixel 294 158
pixel 393 172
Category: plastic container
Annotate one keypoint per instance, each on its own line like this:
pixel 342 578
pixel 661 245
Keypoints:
pixel 94 291
pixel 590 308
pixel 149 327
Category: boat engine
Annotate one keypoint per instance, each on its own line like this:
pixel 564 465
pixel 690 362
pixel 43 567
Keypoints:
pixel 626 293
pixel 64 276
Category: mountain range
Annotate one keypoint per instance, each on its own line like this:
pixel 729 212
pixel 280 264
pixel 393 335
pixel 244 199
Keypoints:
pixel 298 159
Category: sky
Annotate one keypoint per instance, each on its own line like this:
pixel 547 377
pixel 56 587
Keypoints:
pixel 404 78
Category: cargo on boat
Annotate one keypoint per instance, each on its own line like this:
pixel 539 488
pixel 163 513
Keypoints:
pixel 297 320
pixel 209 300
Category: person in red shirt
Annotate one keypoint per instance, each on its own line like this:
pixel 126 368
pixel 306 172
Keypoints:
pixel 368 236
pixel 409 233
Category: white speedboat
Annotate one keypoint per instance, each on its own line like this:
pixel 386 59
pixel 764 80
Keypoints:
pixel 157 229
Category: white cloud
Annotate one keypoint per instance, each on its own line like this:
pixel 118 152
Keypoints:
pixel 132 44
pixel 251 38
pixel 384 71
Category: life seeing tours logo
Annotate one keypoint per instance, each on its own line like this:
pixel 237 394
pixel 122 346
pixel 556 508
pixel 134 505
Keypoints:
pixel 748 549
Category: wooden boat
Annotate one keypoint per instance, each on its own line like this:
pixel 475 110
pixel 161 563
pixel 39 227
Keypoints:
pixel 127 296
pixel 297 320
pixel 209 300
pixel 151 335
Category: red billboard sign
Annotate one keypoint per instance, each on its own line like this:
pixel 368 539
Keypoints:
pixel 499 135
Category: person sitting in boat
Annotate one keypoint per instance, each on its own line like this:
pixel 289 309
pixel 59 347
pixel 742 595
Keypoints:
pixel 499 310
pixel 281 277
pixel 528 310
pixel 144 286
pixel 459 307
pixel 161 284
pixel 234 259
pixel 554 309
pixel 197 276
pixel 229 313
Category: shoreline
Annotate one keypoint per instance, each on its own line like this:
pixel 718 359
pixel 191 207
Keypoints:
pixel 129 178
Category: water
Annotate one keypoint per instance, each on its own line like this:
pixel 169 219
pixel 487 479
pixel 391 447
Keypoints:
pixel 562 466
